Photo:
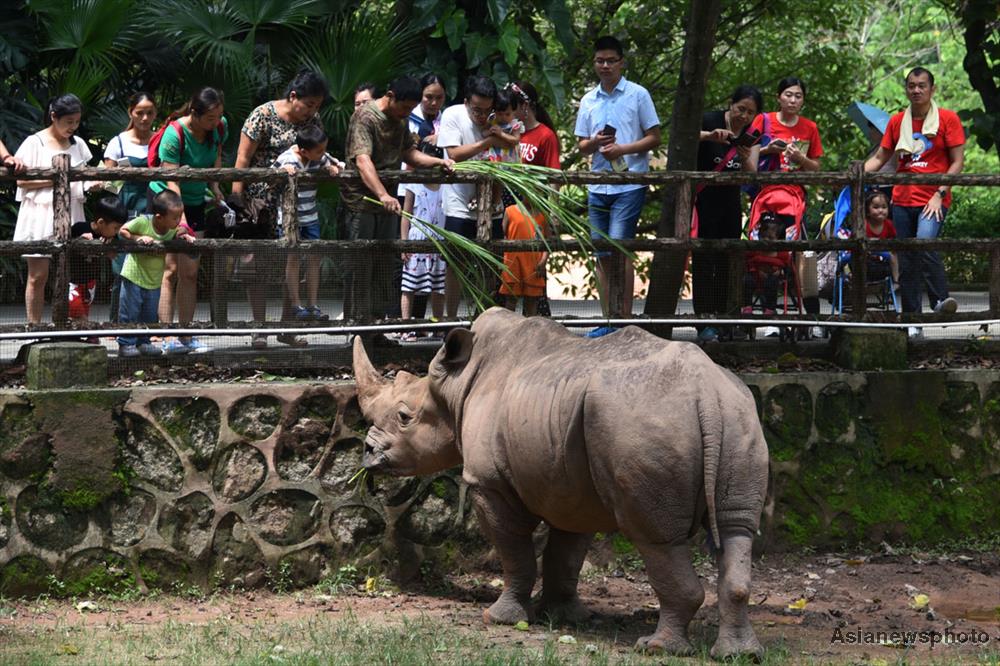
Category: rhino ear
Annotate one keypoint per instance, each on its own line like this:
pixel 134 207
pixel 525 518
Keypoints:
pixel 457 347
pixel 369 381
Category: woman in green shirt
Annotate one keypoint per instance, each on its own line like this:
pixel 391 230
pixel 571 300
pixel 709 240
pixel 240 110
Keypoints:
pixel 204 131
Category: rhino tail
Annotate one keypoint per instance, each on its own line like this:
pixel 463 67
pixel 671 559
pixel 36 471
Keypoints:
pixel 710 419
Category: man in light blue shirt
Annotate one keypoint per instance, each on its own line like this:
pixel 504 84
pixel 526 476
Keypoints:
pixel 617 124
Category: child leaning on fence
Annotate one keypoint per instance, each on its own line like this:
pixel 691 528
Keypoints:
pixel 309 155
pixel 109 216
pixel 142 273
pixel 423 272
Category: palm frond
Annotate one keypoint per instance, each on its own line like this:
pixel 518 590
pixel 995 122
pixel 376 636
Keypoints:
pixel 530 184
pixel 466 258
pixel 89 31
pixel 207 31
pixel 276 13
pixel 85 80
pixel 354 50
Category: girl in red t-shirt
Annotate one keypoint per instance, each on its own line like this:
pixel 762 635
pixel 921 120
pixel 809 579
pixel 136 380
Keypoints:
pixel 539 146
pixel 539 143
pixel 877 225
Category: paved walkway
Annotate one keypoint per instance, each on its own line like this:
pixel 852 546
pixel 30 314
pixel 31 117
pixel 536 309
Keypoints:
pixel 239 311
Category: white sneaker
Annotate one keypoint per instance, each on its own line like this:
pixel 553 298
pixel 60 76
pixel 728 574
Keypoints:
pixel 947 306
pixel 769 331
pixel 914 332
pixel 817 332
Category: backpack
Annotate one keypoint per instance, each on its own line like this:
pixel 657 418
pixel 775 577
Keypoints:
pixel 153 159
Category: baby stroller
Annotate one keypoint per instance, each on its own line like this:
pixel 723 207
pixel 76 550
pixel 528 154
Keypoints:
pixel 772 273
pixel 879 285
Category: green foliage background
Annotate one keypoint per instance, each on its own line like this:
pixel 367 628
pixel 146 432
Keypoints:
pixel 103 50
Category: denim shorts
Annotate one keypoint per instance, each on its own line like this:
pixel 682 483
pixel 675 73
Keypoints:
pixel 307 232
pixel 615 215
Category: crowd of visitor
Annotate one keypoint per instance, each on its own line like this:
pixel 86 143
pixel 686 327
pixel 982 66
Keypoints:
pixel 408 123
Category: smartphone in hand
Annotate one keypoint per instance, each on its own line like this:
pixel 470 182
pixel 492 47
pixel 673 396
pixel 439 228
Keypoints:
pixel 779 144
pixel 609 130
pixel 745 140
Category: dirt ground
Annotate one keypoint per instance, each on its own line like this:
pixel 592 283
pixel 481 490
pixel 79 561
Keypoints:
pixel 836 595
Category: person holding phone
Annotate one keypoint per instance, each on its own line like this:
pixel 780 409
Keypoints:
pixel 617 124
pixel 791 137
pixel 719 208
pixel 790 142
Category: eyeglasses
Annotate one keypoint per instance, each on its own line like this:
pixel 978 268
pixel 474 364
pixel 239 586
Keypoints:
pixel 476 111
pixel 606 61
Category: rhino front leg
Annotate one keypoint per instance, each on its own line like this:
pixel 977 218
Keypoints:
pixel 736 635
pixel 679 592
pixel 561 563
pixel 509 529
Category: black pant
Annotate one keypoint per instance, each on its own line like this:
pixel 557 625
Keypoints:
pixel 710 277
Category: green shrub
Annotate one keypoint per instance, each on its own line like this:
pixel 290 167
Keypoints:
pixel 975 213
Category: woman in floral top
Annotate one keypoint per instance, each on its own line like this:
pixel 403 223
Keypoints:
pixel 269 131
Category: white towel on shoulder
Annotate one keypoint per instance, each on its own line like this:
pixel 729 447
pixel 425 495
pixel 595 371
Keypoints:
pixel 908 144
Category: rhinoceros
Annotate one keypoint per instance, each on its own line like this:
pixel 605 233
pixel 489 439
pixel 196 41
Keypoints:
pixel 627 432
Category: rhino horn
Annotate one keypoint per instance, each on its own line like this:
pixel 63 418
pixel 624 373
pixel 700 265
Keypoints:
pixel 368 379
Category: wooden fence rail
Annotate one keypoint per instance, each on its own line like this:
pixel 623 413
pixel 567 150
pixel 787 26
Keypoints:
pixel 62 175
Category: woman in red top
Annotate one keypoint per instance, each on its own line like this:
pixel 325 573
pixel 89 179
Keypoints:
pixel 792 142
pixel 539 143
pixel 794 139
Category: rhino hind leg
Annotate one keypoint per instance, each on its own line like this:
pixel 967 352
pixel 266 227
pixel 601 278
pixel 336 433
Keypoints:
pixel 561 564
pixel 736 635
pixel 679 592
pixel 509 529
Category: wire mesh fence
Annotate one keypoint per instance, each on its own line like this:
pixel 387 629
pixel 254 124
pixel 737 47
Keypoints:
pixel 256 300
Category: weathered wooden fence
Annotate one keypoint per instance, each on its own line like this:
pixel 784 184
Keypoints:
pixel 685 182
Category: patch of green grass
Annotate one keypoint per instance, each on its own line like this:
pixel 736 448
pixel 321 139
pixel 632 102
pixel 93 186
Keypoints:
pixel 323 640
pixel 377 639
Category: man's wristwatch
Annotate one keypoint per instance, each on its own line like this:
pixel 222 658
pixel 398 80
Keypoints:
pixel 942 192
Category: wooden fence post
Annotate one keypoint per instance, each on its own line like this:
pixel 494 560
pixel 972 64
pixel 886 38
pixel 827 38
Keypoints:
pixel 484 233
pixel 484 210
pixel 859 258
pixel 62 220
pixel 683 210
pixel 290 212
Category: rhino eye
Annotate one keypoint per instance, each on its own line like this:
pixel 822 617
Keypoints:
pixel 404 417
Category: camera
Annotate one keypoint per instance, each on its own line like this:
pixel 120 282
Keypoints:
pixel 430 149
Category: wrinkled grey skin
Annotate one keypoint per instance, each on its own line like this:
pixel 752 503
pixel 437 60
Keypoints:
pixel 627 432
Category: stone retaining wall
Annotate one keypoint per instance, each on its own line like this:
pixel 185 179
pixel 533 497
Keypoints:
pixel 219 485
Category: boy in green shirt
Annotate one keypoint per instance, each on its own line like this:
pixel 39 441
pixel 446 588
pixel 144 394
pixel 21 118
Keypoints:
pixel 143 272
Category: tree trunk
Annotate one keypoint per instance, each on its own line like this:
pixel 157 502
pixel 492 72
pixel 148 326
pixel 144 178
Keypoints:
pixel 978 17
pixel 667 271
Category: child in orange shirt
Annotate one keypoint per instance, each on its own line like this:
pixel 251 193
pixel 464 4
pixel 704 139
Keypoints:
pixel 524 274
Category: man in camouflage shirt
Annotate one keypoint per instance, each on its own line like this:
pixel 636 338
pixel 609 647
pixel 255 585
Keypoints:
pixel 378 138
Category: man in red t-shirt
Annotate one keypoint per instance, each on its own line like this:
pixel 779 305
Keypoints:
pixel 919 210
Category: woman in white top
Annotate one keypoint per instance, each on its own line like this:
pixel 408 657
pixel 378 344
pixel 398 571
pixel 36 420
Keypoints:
pixel 35 216
pixel 131 149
